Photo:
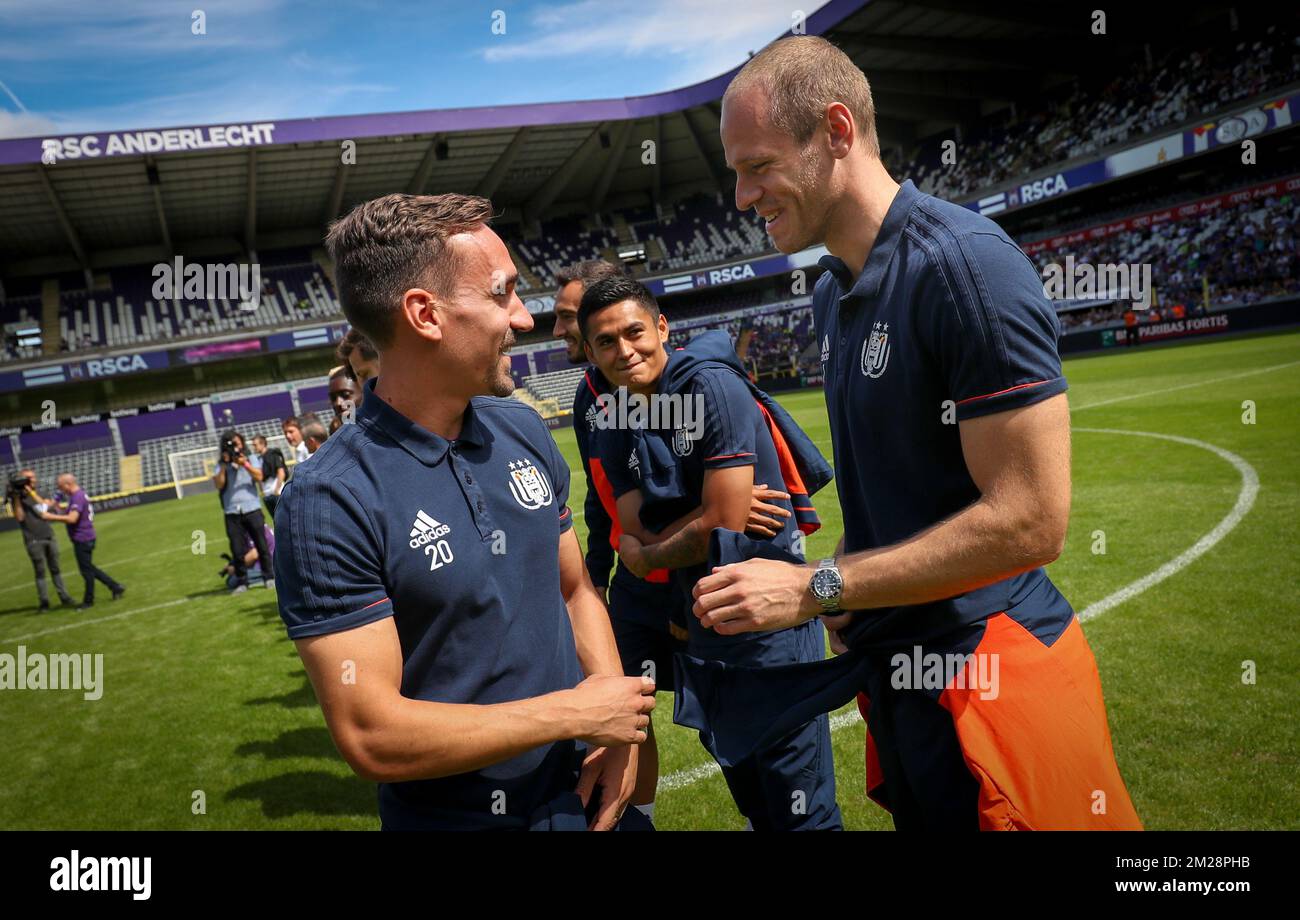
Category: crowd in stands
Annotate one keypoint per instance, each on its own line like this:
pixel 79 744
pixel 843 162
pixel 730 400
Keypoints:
pixel 1180 85
pixel 1237 255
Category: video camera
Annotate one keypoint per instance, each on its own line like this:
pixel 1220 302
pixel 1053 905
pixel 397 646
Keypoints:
pixel 16 486
pixel 230 452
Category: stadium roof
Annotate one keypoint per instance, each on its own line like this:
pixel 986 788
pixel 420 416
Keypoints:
pixel 93 201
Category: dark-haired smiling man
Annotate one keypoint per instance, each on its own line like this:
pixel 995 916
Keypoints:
pixel 428 572
pixel 674 484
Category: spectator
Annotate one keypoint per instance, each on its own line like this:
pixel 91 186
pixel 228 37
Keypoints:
pixel 292 428
pixel 314 435
pixel 356 351
pixel 252 564
pixel 344 395
pixel 79 515
pixel 274 473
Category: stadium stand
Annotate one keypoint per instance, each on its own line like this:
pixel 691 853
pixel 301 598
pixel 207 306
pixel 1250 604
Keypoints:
pixel 127 314
pixel 557 385
pixel 1237 255
pixel 1185 83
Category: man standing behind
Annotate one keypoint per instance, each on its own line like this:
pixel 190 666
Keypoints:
pixel 313 436
pixel 951 434
pixel 344 395
pixel 237 479
pixel 274 472
pixel 449 579
pixel 293 434
pixel 355 351
pixel 79 515
pixel 27 507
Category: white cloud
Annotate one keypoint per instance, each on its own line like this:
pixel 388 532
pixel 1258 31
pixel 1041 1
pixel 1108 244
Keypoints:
pixel 711 35
pixel 25 124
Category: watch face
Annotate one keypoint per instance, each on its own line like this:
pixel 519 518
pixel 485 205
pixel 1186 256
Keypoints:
pixel 825 584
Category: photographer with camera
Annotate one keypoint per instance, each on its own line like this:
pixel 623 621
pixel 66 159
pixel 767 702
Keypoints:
pixel 27 507
pixel 237 481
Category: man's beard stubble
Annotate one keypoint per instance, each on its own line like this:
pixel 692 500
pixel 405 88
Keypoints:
pixel 502 383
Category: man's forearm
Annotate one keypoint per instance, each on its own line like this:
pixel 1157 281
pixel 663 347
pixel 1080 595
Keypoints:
pixel 592 634
pixel 688 546
pixel 423 740
pixel 975 547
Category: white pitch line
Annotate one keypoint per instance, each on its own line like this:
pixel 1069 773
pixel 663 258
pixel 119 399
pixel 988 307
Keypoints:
pixel 103 565
pixel 683 778
pixel 1185 386
pixel 1245 499
pixel 78 623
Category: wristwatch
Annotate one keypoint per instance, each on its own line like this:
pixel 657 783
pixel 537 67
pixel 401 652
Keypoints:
pixel 827 585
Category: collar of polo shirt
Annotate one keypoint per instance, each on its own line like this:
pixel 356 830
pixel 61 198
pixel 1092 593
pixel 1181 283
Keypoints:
pixel 416 440
pixel 882 250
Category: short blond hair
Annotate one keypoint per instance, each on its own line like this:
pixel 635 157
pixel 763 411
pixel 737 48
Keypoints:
pixel 802 74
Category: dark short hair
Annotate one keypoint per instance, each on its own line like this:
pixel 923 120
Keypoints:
pixel 355 341
pixel 291 422
pixel 384 247
pixel 259 437
pixel 344 370
pixel 606 293
pixel 588 273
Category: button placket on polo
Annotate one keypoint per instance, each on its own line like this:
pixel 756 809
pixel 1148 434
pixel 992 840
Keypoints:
pixel 474 497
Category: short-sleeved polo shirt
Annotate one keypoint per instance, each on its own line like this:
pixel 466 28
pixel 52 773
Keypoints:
pixel 84 530
pixel 458 542
pixel 948 321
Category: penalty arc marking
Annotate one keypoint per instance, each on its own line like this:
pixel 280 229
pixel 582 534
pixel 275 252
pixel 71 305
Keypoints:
pixel 1245 501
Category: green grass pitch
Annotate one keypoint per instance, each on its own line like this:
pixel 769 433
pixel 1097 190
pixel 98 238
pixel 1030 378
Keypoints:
pixel 203 691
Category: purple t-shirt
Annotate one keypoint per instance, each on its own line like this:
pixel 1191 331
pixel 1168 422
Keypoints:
pixel 84 530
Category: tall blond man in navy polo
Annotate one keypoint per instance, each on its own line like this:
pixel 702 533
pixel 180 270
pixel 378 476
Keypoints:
pixel 951 435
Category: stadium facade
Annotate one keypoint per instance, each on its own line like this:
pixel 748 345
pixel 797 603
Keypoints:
pixel 103 375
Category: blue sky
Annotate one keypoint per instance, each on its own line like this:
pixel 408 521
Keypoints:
pixel 70 66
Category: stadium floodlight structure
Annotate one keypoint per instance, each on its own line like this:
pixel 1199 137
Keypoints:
pixel 192 470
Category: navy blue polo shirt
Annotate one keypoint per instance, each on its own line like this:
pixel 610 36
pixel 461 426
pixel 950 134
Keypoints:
pixel 668 465
pixel 458 542
pixel 948 321
pixel 600 553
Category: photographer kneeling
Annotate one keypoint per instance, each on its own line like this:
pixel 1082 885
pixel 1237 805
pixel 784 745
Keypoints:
pixel 236 480
pixel 28 507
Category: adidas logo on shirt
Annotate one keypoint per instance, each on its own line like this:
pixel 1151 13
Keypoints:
pixel 633 464
pixel 590 416
pixel 826 349
pixel 426 530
